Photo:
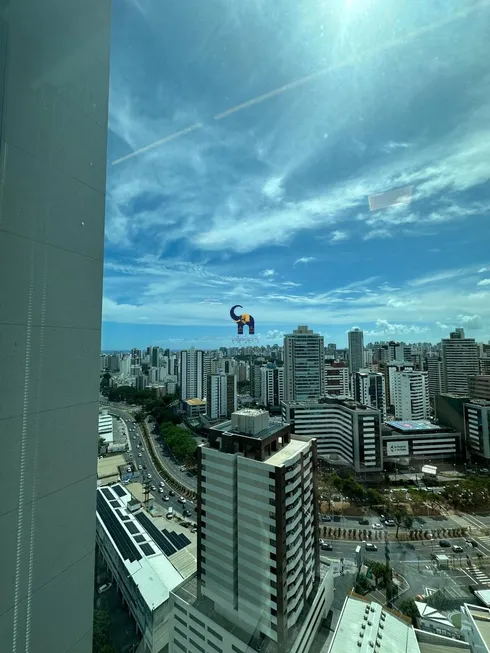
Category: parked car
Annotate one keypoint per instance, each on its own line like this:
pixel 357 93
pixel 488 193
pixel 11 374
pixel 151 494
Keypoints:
pixel 472 543
pixel 181 500
pixel 161 490
pixel 369 546
pixel 457 548
pixel 165 498
pixel 389 522
pixel 377 526
pixel 364 522
pixel 172 493
pixel 104 588
pixel 326 546
pixel 444 543
pixel 326 518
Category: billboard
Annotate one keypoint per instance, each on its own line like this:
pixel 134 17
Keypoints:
pixel 399 448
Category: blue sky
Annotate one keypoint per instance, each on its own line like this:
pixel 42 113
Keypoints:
pixel 245 141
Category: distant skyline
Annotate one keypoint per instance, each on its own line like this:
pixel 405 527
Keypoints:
pixel 242 171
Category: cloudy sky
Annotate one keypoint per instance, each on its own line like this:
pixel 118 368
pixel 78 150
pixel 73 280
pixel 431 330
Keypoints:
pixel 319 162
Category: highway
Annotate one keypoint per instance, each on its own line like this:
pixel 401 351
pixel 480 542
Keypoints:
pixel 155 477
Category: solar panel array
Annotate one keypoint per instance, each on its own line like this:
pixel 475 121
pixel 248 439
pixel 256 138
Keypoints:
pixel 107 493
pixel 120 491
pixel 147 550
pixel 168 542
pixel 126 546
pixel 132 528
pixel 139 538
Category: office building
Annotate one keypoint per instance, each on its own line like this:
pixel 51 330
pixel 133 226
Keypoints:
pixel 272 386
pixel 260 584
pixel 411 395
pixel 348 433
pixel 221 395
pixel 420 439
pixel 449 410
pixel 477 428
pixel 392 351
pixel 304 365
pixel 369 389
pixel 54 79
pixel 147 557
pixel 459 361
pixel 479 386
pixel 154 356
pixel 434 372
pixel 191 375
pixel 389 369
pixel 337 382
pixel 475 620
pixel 356 350
pixel 256 381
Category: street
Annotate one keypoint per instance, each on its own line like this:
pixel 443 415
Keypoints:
pixel 155 477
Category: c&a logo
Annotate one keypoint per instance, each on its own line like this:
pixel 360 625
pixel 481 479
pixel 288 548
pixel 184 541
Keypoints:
pixel 242 320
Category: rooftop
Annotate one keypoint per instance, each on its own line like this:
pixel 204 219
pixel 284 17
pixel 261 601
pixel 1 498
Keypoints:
pixel 278 458
pixel 413 425
pixel 196 402
pixel 153 557
pixel 226 429
pixel 481 619
pixel 360 625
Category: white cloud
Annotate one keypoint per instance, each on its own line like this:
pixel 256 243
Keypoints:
pixel 484 282
pixel 274 334
pixel 471 322
pixel 385 328
pixel 337 236
pixel 377 233
pixel 268 273
pixel 481 270
pixel 304 259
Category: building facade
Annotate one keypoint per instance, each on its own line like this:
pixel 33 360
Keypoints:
pixel 191 374
pixel 411 395
pixel 369 389
pixel 421 440
pixel 459 361
pixel 347 433
pixel 434 373
pixel 479 386
pixel 356 350
pixel 304 365
pixel 477 428
pixel 337 382
pixel 53 140
pixel 221 395
pixel 260 584
pixel 272 386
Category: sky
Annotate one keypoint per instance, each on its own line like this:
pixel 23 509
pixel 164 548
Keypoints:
pixel 256 154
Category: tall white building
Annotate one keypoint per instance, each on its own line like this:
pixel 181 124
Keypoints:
pixel 304 365
pixel 337 381
pixel 459 362
pixel 411 395
pixel 369 389
pixel 347 432
pixel 191 377
pixel 356 350
pixel 260 585
pixel 272 385
pixel 221 395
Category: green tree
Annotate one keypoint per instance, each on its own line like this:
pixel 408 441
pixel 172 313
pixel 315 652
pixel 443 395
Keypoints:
pixel 362 585
pixel 374 497
pixel 439 601
pixel 100 640
pixel 139 417
pixel 408 607
pixel 399 515
pixel 407 522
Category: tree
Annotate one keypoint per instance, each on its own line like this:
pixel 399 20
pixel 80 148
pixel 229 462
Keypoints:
pixel 408 607
pixel 100 639
pixel 407 522
pixel 140 417
pixel 439 601
pixel 374 497
pixel 362 585
pixel 399 515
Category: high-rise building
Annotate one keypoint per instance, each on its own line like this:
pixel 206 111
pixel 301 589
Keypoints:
pixel 369 389
pixel 459 362
pixel 272 385
pixel 389 369
pixel 54 80
pixel 347 432
pixel 191 374
pixel 259 575
pixel 304 365
pixel 356 350
pixel 337 378
pixel 479 386
pixel 411 395
pixel 256 381
pixel 477 428
pixel 221 395
pixel 154 356
pixel 434 371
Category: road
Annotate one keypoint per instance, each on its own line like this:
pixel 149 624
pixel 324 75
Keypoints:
pixel 171 462
pixel 145 459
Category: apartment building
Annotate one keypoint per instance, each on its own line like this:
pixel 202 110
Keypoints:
pixel 411 395
pixel 477 428
pixel 369 389
pixel 304 365
pixel 221 395
pixel 459 361
pixel 356 350
pixel 272 386
pixel 191 374
pixel 337 380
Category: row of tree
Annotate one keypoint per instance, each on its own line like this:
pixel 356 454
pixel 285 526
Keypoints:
pixel 179 441
pixel 100 640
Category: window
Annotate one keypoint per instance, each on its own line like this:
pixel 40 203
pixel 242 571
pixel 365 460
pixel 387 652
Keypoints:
pixel 196 632
pixel 180 608
pixel 180 620
pixel 180 645
pixel 199 648
pixel 214 647
pixel 215 634
pixel 180 633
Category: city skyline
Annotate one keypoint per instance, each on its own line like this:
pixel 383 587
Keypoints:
pixel 256 185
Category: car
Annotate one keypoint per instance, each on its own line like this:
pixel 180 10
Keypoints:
pixel 165 498
pixel 145 466
pixel 181 500
pixel 161 490
pixel 444 543
pixel 369 546
pixel 104 588
pixel 377 526
pixel 162 484
pixel 182 468
pixel 326 546
pixel 153 488
pixel 172 493
pixel 186 513
pixel 148 476
pixel 472 543
pixel 140 467
pixel 194 530
pixel 389 522
pixel 457 548
pixel 128 468
pixel 364 522
pixel 326 518
pixel 139 455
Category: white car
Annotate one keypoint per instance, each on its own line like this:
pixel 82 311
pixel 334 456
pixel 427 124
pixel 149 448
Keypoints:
pixel 377 526
pixel 181 500
pixel 140 467
pixel 139 455
pixel 153 488
pixel 160 489
pixel 162 484
pixel 148 476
